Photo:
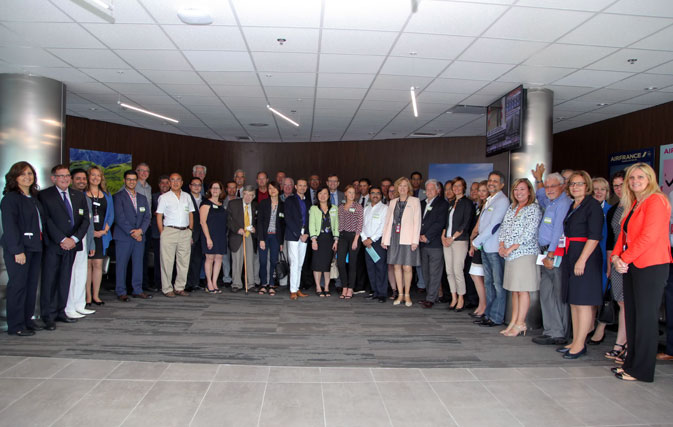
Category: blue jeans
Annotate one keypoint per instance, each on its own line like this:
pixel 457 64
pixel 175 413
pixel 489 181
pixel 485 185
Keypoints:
pixel 496 296
pixel 273 246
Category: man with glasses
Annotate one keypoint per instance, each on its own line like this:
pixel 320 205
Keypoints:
pixel 196 257
pixel 554 310
pixel 67 219
pixel 372 230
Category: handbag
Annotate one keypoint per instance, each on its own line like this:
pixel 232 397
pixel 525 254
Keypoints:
pixel 608 310
pixel 282 267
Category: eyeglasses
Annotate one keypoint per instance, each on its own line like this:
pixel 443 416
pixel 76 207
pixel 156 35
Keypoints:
pixel 63 176
pixel 549 187
pixel 577 184
pixel 196 184
pixel 617 185
pixel 131 179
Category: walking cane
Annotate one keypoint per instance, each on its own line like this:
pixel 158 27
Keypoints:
pixel 245 265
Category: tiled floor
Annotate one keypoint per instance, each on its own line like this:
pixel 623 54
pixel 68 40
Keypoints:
pixel 81 392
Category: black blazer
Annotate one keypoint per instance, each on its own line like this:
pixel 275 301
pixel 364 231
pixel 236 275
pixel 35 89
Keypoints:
pixel 236 221
pixel 463 218
pixel 196 232
pixel 293 223
pixel 21 223
pixel 58 220
pixel 434 221
pixel 264 216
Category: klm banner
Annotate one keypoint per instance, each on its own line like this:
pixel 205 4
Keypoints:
pixel 666 169
pixel 621 161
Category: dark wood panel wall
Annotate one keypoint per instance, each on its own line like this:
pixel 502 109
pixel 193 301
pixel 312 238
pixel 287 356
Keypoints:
pixel 589 147
pixel 350 160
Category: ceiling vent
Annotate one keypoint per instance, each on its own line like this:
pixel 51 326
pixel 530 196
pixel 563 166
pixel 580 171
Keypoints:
pixel 467 109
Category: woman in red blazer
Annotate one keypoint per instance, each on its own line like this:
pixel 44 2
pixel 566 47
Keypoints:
pixel 642 254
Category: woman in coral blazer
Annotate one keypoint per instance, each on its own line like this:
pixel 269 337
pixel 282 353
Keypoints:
pixel 401 233
pixel 642 254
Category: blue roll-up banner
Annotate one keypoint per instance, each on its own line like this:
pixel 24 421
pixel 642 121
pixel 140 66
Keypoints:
pixel 621 161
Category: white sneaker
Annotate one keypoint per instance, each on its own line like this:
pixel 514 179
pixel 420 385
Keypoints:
pixel 86 311
pixel 74 315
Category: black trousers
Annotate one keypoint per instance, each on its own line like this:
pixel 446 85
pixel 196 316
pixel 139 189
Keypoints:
pixel 55 283
pixel 669 313
pixel 362 281
pixel 348 275
pixel 21 290
pixel 377 271
pixel 195 263
pixel 643 289
pixel 147 279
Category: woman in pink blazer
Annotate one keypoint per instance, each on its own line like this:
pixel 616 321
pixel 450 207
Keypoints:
pixel 401 233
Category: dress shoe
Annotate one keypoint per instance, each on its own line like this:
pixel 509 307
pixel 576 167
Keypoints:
pixel 547 340
pixel 74 315
pixel 234 290
pixel 459 309
pixel 35 325
pixel 181 293
pixel 150 289
pixel 50 326
pixel 66 319
pixel 427 304
pixel 664 356
pixel 293 295
pixel 142 295
pixel 489 323
pixel 123 298
pixel 569 355
pixel 86 311
pixel 444 300
pixel 98 302
pixel 23 333
pixel 301 294
pixel 371 296
pixel 382 299
pixel 476 316
pixel 562 350
pixel 170 294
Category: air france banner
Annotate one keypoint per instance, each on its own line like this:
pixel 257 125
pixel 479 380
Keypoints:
pixel 621 161
pixel 666 169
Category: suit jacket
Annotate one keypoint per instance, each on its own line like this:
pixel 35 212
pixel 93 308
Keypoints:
pixel 128 218
pixel 463 217
pixel 21 223
pixel 433 222
pixel 410 230
pixel 340 197
pixel 293 222
pixel 236 221
pixel 154 229
pixel 196 232
pixel 58 221
pixel 264 217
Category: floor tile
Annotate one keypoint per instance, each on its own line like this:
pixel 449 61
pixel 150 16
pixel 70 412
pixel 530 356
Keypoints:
pixel 7 362
pixel 167 404
pixel 36 367
pixel 488 416
pixel 294 375
pixel 413 403
pixel 447 374
pixel 340 375
pixel 12 389
pixel 138 371
pixel 189 372
pixel 589 371
pixel 238 373
pixel 497 374
pixel 230 404
pixel 354 404
pixel 397 374
pixel 464 394
pixel 535 415
pixel 543 372
pixel 292 404
pixel 88 369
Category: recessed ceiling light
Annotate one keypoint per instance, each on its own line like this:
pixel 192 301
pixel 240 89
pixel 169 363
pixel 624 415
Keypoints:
pixel 194 16
pixel 93 109
pixel 558 119
pixel 281 40
pixel 413 53
pixel 258 125
pixel 120 72
pixel 632 60
pixel 651 88
pixel 602 104
pixel 268 75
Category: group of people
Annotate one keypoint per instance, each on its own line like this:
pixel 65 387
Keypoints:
pixel 558 236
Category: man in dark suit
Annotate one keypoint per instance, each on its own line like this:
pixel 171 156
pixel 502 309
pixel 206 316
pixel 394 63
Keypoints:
pixel 296 234
pixel 242 216
pixel 67 218
pixel 196 258
pixel 434 209
pixel 132 218
pixel 164 186
pixel 335 195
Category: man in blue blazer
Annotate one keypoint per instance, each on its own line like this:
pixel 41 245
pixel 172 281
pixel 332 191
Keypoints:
pixel 132 218
pixel 296 234
pixel 435 210
pixel 67 218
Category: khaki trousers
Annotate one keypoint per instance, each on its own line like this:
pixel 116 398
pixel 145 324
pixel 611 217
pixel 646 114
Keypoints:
pixel 237 263
pixel 176 247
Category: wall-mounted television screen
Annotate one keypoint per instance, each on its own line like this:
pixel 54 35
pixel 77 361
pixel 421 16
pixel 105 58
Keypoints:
pixel 504 122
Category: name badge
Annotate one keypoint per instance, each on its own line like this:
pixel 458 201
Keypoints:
pixel 186 208
pixel 302 231
pixel 397 228
pixel 562 242
pixel 215 207
pixel 28 234
pixel 547 220
pixel 490 209
pixel 96 203
pixel 351 210
pixel 376 216
pixel 281 215
pixel 81 211
pixel 429 208
pixel 141 209
pixel 96 219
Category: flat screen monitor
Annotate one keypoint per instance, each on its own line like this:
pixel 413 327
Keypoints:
pixel 504 122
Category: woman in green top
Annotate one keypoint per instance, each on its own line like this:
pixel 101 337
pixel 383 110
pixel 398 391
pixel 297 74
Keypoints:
pixel 323 227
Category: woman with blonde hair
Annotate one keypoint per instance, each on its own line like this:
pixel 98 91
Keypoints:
pixel 642 254
pixel 401 234
pixel 476 268
pixel 519 247
pixel 102 216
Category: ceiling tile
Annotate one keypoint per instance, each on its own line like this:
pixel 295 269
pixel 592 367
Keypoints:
pixel 461 19
pixel 476 70
pixel 106 75
pixel 287 79
pixel 369 15
pixel 230 78
pixel 660 40
pixel 31 11
pixel 592 78
pixel 456 85
pixel 298 40
pixel 568 55
pixel 288 13
pixel 90 88
pixel 641 81
pixel 341 93
pixel 136 88
pixel 219 61
pixel 614 30
pixel 154 100
pixel 653 98
pixel 377 103
pixel 387 81
pixel 609 96
pixel 155 59
pixel 639 7
pixel 662 69
pixel 431 45
pixel 27 56
pixel 414 66
pixel 173 77
pixel 289 92
pixel 621 108
pixel 578 106
pixel 593 5
pixel 345 80
pixel 165 11
pixel 125 12
pixel 65 75
pixel 195 37
pixel 336 104
pixel 567 92
pixel 238 102
pixel 130 36
pixel 289 62
pixel 496 88
pixel 535 75
pixel 90 58
pixel 330 63
pixel 501 51
pixel 645 59
pixel 441 99
pixel 201 101
pixel 187 90
pixel 357 42
pixel 478 100
pixel 525 23
pixel 68 35
pixel 389 95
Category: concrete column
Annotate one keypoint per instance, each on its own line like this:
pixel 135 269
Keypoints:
pixel 32 128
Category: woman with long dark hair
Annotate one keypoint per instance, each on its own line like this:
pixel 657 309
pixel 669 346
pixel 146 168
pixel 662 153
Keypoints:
pixel 323 229
pixel 102 214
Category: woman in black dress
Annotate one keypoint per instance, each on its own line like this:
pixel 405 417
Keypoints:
pixel 102 215
pixel 323 228
pixel 22 222
pixel 213 234
pixel 582 265
pixel 270 232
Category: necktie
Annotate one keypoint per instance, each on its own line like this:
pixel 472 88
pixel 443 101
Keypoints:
pixel 362 201
pixel 68 207
pixel 334 201
pixel 247 220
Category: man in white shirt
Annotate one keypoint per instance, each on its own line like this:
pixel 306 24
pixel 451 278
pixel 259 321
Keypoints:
pixel 175 221
pixel 239 179
pixel 372 230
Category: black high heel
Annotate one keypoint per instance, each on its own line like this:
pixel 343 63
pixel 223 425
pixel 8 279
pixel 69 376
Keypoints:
pixel 101 302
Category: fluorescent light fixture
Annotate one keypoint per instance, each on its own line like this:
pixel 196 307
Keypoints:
pixel 281 115
pixel 149 113
pixel 413 101
pixel 100 8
